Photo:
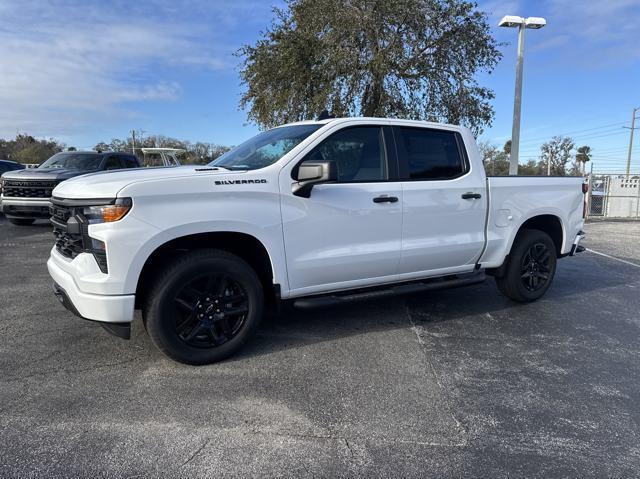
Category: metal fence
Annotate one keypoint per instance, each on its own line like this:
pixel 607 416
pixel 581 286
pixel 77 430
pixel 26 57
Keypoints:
pixel 614 195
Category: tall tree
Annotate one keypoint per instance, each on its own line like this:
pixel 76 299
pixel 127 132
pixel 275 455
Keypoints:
pixel 406 58
pixel 102 146
pixel 496 161
pixel 117 145
pixel 27 149
pixel 555 154
pixel 582 156
pixel 531 168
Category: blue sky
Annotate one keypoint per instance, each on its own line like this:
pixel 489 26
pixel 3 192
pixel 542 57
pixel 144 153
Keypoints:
pixel 86 71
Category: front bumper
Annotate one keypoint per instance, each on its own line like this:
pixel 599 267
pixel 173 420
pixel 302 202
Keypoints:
pixel 122 330
pixel 113 309
pixel 26 207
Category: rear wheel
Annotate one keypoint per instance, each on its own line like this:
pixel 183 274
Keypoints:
pixel 531 267
pixel 21 221
pixel 203 307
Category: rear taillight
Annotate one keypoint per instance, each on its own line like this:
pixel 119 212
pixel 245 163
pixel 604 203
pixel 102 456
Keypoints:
pixel 585 188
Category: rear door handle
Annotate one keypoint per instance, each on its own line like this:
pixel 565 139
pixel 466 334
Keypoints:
pixel 385 199
pixel 471 196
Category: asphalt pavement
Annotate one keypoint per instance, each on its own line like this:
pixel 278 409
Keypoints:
pixel 457 383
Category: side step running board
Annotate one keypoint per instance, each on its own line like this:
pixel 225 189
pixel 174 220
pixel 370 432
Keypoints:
pixel 393 290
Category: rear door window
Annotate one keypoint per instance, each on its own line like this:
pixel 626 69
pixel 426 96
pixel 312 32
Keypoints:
pixel 129 162
pixel 113 163
pixel 430 154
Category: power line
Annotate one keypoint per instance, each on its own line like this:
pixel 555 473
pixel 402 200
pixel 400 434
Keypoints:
pixel 621 150
pixel 578 131
pixel 600 136
pixel 581 139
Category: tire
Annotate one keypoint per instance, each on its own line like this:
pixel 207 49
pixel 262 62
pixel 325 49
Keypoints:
pixel 21 221
pixel 203 306
pixel 531 267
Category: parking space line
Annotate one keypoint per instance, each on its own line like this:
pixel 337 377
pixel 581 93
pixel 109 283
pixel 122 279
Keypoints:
pixel 613 257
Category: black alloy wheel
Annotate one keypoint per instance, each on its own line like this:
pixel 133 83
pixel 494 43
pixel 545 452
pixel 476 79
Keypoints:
pixel 203 306
pixel 535 268
pixel 210 310
pixel 530 267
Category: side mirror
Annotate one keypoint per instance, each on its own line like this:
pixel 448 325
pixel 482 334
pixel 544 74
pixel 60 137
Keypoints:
pixel 312 173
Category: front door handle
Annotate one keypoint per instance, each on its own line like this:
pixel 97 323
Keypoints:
pixel 471 196
pixel 385 199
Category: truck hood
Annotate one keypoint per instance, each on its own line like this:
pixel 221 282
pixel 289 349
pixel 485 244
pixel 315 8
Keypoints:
pixel 106 184
pixel 41 174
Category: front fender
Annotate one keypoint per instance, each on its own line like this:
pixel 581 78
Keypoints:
pixel 268 239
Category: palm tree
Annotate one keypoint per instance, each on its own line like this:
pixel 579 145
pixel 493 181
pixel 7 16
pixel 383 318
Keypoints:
pixel 583 155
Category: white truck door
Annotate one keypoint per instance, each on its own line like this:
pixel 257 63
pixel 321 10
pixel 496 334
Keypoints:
pixel 444 202
pixel 346 233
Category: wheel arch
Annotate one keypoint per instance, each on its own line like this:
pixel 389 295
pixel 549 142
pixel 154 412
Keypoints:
pixel 244 245
pixel 548 223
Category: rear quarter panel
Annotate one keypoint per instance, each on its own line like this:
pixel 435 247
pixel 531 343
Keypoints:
pixel 516 199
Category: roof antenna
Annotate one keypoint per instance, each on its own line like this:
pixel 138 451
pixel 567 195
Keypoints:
pixel 324 115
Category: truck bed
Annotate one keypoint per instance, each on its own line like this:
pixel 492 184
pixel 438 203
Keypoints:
pixel 512 200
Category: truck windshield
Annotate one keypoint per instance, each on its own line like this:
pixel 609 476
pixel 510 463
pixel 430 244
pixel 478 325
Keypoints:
pixel 79 161
pixel 265 148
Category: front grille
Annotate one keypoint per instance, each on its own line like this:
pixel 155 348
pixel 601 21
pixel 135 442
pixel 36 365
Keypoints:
pixel 28 188
pixel 69 244
pixel 60 213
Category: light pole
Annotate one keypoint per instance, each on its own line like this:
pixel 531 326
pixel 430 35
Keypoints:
pixel 512 21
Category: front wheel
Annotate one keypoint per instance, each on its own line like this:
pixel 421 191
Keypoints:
pixel 203 307
pixel 531 267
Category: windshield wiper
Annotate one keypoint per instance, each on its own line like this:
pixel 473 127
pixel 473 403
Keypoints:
pixel 237 167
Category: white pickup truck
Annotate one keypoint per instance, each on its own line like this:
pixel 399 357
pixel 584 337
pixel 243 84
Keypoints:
pixel 313 212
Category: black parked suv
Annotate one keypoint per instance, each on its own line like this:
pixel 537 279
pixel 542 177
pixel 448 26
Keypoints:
pixel 26 193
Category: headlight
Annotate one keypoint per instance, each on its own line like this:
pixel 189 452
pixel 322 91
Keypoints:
pixel 107 213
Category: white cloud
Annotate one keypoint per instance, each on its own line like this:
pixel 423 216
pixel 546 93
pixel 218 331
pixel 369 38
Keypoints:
pixel 593 34
pixel 67 65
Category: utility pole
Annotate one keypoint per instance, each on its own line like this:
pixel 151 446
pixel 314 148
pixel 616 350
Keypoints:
pixel 133 141
pixel 633 127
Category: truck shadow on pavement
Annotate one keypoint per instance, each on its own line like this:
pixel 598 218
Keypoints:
pixel 577 282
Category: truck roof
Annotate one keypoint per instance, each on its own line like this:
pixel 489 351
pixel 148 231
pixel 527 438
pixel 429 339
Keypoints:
pixel 366 119
pixel 93 152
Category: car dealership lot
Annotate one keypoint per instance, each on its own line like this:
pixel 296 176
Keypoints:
pixel 458 382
